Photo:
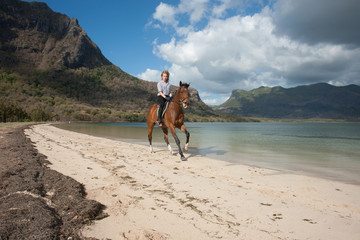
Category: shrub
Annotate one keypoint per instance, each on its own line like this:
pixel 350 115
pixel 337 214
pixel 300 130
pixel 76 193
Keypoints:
pixel 11 112
pixel 40 114
pixel 81 117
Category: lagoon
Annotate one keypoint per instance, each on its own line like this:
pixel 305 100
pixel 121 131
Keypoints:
pixel 328 150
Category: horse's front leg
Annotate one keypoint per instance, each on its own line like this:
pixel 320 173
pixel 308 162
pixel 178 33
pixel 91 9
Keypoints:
pixel 150 129
pixel 173 132
pixel 165 131
pixel 183 129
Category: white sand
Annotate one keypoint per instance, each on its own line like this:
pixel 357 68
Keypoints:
pixel 157 196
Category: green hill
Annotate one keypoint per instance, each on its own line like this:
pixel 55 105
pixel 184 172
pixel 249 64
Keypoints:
pixel 303 102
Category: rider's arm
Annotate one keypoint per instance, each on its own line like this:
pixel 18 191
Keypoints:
pixel 163 95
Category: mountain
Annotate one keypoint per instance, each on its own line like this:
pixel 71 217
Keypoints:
pixel 51 70
pixel 33 35
pixel 312 101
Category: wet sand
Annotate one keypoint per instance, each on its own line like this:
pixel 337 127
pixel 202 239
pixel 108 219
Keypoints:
pixel 157 196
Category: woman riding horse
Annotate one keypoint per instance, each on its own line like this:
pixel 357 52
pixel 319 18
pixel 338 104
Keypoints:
pixel 173 118
pixel 164 94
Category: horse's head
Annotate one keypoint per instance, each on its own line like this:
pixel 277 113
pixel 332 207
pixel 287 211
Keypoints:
pixel 184 96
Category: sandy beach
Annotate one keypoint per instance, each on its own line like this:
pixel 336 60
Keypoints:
pixel 157 196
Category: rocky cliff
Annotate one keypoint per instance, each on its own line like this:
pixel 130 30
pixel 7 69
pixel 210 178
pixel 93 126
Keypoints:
pixel 33 35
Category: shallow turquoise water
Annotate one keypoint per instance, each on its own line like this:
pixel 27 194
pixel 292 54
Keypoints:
pixel 330 150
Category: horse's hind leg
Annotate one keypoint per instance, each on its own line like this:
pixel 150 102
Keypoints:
pixel 166 138
pixel 183 129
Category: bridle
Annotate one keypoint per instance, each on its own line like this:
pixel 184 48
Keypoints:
pixel 181 101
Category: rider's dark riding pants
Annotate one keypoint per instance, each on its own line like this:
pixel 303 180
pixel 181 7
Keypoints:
pixel 161 102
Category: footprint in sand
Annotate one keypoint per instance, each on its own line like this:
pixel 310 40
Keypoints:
pixel 309 221
pixel 277 216
pixel 266 204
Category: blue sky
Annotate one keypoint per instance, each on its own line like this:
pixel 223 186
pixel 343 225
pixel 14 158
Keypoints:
pixel 221 45
pixel 118 28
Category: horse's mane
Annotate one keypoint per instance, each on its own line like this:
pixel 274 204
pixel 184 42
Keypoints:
pixel 186 85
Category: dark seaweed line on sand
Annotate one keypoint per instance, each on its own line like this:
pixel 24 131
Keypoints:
pixel 35 201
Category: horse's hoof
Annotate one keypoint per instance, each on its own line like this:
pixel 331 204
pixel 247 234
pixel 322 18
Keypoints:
pixel 185 150
pixel 183 158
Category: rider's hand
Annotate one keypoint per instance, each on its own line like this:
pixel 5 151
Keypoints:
pixel 167 98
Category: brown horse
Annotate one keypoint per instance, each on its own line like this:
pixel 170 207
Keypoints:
pixel 173 118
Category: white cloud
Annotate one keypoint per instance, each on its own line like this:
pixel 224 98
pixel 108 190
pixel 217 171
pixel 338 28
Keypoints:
pixel 165 14
pixel 245 52
pixel 150 75
pixel 227 53
pixel 220 10
pixel 194 8
pixel 183 31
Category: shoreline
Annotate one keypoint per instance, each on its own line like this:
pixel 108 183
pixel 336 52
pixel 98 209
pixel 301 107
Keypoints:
pixel 156 196
pixel 293 164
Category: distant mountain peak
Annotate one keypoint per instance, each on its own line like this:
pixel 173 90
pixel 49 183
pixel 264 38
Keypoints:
pixel 32 34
